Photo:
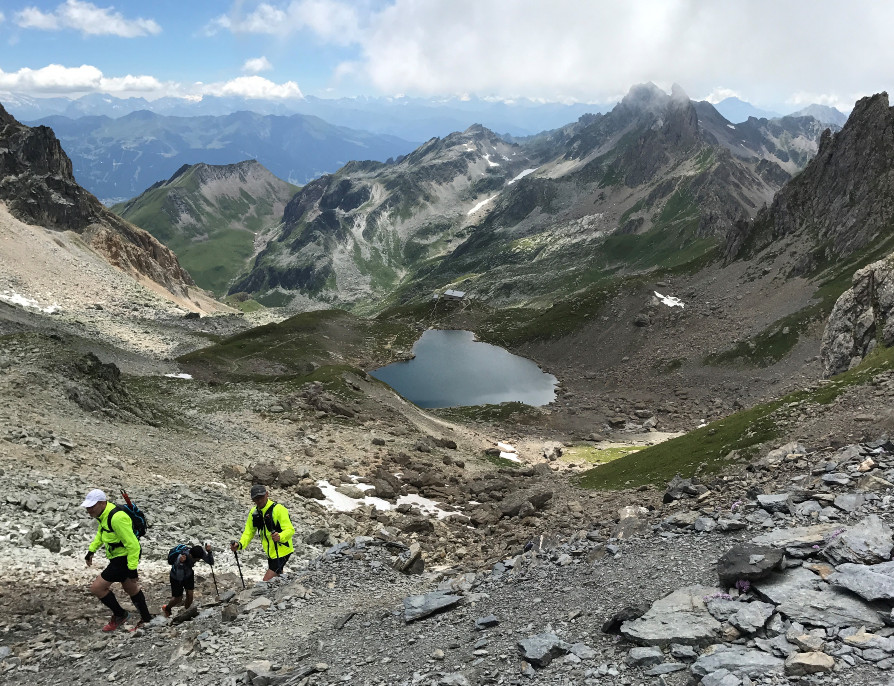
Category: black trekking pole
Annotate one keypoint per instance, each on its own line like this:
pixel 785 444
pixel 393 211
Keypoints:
pixel 214 579
pixel 238 566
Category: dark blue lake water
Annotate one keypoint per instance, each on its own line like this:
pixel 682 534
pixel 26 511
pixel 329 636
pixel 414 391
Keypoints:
pixel 451 369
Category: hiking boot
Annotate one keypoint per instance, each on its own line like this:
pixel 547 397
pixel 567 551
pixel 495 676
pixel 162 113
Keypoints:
pixel 115 622
pixel 165 611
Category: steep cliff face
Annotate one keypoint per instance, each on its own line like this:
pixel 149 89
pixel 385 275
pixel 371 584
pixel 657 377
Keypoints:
pixel 38 187
pixel 842 202
pixel 863 317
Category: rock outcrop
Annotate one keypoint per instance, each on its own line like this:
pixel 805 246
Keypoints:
pixel 862 318
pixel 38 187
pixel 842 202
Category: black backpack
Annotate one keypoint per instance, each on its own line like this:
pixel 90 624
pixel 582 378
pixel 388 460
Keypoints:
pixel 137 517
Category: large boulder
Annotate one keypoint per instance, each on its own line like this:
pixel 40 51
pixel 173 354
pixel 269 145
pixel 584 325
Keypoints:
pixel 861 318
pixel 681 617
pixel 748 562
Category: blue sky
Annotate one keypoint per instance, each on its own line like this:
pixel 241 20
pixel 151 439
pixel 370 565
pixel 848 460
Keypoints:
pixel 773 53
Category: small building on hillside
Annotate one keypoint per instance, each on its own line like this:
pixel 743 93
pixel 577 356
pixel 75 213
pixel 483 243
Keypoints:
pixel 450 294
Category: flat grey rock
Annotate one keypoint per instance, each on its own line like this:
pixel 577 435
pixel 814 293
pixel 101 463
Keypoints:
pixel 647 656
pixel 420 606
pixel 541 649
pixel 681 617
pixel 849 501
pixel 870 582
pixel 804 597
pixel 868 542
pixel 752 616
pixel 748 562
pixel 738 661
pixel 776 502
pixel 797 538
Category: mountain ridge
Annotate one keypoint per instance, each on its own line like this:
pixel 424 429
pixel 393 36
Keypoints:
pixel 38 187
pixel 215 217
pixel 657 160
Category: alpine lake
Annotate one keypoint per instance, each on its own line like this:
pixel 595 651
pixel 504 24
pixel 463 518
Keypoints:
pixel 452 369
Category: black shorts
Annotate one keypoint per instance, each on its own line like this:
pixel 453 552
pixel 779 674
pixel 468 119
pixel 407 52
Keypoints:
pixel 117 570
pixel 177 587
pixel 277 563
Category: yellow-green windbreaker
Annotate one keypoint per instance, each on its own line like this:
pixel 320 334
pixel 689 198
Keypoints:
pixel 281 521
pixel 116 534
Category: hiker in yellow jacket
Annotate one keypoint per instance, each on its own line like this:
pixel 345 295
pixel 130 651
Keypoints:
pixel 271 521
pixel 115 532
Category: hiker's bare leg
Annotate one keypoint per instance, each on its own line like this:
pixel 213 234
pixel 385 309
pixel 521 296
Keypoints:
pixel 100 587
pixel 188 600
pixel 270 575
pixel 131 587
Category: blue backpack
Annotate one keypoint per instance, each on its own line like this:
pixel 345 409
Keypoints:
pixel 176 552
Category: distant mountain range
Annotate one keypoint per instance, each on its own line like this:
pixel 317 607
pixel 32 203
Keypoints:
pixel 410 118
pixel 117 159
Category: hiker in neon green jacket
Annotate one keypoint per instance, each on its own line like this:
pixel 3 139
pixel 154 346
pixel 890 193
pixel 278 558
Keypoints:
pixel 271 522
pixel 115 532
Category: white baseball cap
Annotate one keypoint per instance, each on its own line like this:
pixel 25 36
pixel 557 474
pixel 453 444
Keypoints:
pixel 93 497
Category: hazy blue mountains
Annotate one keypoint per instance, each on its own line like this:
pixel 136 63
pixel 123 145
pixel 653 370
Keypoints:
pixel 116 159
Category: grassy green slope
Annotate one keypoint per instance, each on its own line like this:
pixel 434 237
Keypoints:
pixel 714 447
pixel 302 346
pixel 213 240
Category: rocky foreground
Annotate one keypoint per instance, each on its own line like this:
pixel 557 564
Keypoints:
pixel 778 572
pixel 773 571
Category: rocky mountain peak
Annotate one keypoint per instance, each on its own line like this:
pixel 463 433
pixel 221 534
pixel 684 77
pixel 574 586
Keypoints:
pixel 678 95
pixel 38 187
pixel 645 98
pixel 5 117
pixel 842 202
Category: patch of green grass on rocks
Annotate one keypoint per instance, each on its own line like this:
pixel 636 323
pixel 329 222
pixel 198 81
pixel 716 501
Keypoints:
pixel 594 455
pixel 739 436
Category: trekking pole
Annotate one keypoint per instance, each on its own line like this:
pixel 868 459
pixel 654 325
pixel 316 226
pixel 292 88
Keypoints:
pixel 214 578
pixel 239 567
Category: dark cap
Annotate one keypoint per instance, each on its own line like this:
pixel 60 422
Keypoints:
pixel 257 491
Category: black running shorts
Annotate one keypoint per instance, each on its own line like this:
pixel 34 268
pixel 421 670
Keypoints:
pixel 177 587
pixel 277 563
pixel 117 570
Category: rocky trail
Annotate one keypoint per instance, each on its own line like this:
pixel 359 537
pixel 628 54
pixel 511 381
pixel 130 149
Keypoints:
pixel 524 578
pixel 463 570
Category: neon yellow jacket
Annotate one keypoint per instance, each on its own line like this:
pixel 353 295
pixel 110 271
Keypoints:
pixel 116 534
pixel 281 521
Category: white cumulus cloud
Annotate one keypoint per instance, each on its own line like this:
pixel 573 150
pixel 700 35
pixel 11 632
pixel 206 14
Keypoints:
pixel 87 18
pixel 333 21
pixel 567 50
pixel 255 87
pixel 256 65
pixel 55 79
